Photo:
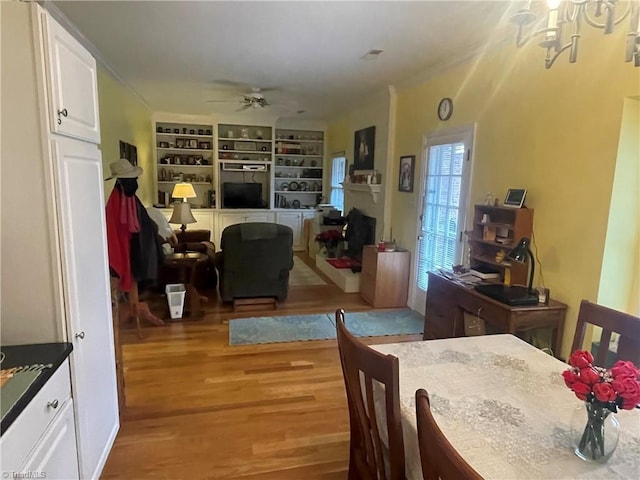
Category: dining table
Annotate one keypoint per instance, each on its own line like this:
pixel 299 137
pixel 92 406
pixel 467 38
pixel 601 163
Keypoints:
pixel 504 406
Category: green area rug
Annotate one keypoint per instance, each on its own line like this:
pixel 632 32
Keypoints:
pixel 375 323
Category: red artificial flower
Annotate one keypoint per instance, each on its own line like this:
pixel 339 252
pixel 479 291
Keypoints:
pixel 581 359
pixel 570 377
pixel 604 392
pixel 630 403
pixel 618 387
pixel 589 376
pixel 626 386
pixel 581 390
pixel 624 368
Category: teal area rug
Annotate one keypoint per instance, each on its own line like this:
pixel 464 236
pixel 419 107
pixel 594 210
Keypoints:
pixel 375 323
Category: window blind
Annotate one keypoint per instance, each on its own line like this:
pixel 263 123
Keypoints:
pixel 439 246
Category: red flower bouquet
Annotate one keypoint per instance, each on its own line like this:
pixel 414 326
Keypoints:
pixel 329 239
pixel 604 392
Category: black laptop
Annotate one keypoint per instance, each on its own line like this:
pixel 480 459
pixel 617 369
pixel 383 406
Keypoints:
pixel 515 296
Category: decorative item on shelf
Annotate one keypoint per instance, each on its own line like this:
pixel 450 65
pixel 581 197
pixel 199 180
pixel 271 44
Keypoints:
pixel 329 239
pixel 287 162
pixel 159 129
pixel 485 218
pixel 208 131
pixel 200 131
pixel 295 204
pixel 176 130
pixel 182 211
pixel 303 186
pixel 259 135
pixel 293 186
pixel 192 132
pixel 167 130
pixel 284 186
pixel 594 428
pixel 569 16
pixel 163 144
pixel 204 145
pixel 244 133
pixel 500 256
pixel 184 131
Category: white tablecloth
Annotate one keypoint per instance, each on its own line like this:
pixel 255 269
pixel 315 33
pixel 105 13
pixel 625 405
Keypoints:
pixel 504 406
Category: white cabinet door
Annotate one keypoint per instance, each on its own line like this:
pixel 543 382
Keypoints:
pixel 55 454
pixel 267 217
pixel 71 83
pixel 78 171
pixel 294 221
pixel 204 221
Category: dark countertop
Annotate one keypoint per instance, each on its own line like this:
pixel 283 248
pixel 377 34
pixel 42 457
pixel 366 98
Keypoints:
pixel 25 355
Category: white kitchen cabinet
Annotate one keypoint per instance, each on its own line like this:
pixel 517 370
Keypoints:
pixel 55 453
pixel 64 244
pixel 42 438
pixel 71 84
pixel 78 170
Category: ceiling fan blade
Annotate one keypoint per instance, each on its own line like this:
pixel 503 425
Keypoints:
pixel 222 101
pixel 244 107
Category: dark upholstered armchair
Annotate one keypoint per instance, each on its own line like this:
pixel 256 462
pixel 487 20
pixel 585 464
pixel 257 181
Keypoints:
pixel 255 261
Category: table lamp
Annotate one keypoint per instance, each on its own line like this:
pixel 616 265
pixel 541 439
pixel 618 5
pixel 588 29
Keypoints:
pixel 182 211
pixel 515 295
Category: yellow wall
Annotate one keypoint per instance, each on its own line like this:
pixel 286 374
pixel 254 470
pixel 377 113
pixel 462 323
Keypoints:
pixel 553 131
pixel 124 117
pixel 620 269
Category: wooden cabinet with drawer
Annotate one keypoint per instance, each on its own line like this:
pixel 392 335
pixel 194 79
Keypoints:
pixel 384 280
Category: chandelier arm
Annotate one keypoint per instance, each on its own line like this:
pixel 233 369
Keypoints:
pixel 596 24
pixel 549 60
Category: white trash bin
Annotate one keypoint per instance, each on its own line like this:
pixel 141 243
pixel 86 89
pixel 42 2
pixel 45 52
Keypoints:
pixel 175 296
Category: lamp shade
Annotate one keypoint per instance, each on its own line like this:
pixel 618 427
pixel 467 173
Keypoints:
pixel 521 252
pixel 183 190
pixel 182 213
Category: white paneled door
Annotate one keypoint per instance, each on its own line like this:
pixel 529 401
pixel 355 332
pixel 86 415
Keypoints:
pixel 78 171
pixel 444 191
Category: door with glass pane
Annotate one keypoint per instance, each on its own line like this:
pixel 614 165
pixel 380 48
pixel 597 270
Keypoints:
pixel 442 214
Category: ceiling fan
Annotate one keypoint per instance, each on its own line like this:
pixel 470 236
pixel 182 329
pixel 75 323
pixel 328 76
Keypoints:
pixel 255 98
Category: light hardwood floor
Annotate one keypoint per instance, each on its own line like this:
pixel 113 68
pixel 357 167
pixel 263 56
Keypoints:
pixel 198 408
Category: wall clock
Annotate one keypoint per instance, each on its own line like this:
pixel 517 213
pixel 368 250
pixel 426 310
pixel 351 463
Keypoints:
pixel 445 109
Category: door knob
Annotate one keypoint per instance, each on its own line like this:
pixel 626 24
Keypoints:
pixel 80 335
pixel 63 113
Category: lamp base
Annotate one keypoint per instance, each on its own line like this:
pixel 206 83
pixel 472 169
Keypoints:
pixel 515 296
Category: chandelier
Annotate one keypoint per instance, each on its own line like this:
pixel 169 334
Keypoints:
pixel 565 18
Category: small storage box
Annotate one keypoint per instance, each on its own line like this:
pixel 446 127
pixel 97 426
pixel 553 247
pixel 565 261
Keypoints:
pixel 175 297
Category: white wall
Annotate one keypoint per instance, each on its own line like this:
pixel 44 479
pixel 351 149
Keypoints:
pixel 373 112
pixel 24 217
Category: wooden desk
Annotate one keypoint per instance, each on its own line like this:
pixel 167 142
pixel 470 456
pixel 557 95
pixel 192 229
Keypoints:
pixel 447 301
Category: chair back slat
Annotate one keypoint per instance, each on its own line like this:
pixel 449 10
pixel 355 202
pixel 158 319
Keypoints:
pixel 438 458
pixel 610 321
pixel 362 366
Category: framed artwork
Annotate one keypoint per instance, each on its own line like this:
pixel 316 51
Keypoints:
pixel 364 142
pixel 407 170
pixel 130 152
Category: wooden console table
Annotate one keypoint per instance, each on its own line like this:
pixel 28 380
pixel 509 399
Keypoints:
pixel 447 301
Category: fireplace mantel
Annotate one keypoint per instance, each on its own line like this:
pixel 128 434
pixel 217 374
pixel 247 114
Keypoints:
pixel 374 190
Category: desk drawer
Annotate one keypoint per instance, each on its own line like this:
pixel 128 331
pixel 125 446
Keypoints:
pixel 495 315
pixel 25 431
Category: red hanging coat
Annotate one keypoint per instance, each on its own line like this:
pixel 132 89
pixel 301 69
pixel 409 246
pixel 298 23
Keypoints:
pixel 122 221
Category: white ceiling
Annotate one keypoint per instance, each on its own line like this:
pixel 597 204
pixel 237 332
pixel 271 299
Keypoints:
pixel 178 55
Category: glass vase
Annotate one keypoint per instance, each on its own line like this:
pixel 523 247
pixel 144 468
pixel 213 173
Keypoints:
pixel 595 431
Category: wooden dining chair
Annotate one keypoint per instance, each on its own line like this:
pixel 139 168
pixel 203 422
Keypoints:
pixel 611 321
pixel 367 371
pixel 438 458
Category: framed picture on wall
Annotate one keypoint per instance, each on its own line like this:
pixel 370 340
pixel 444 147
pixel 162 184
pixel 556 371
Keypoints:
pixel 130 152
pixel 364 142
pixel 407 170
